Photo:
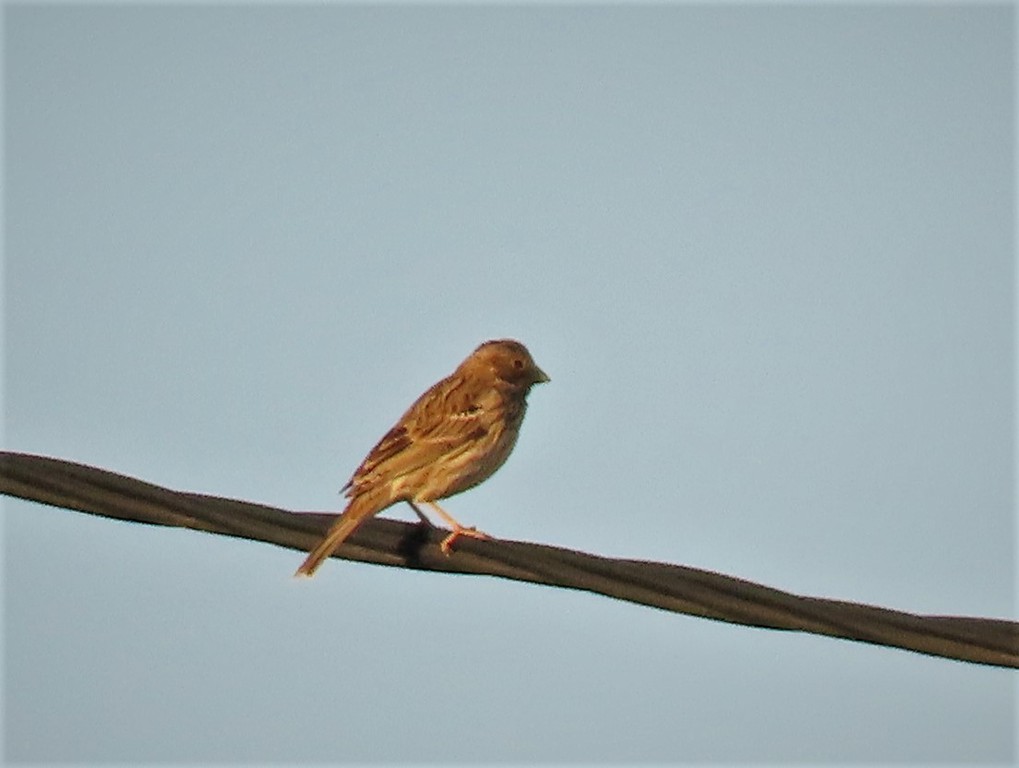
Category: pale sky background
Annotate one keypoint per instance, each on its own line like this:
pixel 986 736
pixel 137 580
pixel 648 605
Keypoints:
pixel 766 254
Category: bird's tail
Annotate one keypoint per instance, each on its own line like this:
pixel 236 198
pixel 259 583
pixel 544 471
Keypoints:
pixel 358 510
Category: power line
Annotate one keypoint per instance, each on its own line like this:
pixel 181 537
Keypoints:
pixel 390 542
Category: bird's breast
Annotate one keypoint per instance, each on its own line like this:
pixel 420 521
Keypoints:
pixel 473 462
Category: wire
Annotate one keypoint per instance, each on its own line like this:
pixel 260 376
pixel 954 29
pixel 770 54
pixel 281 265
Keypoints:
pixel 676 588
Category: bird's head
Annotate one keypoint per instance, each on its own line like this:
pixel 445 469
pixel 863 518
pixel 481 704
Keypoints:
pixel 508 361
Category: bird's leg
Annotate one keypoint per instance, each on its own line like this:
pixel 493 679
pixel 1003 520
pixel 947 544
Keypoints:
pixel 420 514
pixel 458 530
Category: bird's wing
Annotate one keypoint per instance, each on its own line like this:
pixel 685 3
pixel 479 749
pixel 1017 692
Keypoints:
pixel 444 420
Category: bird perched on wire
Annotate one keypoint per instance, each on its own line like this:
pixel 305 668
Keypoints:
pixel 456 435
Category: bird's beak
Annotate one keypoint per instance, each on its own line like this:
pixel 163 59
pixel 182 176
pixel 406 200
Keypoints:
pixel 540 377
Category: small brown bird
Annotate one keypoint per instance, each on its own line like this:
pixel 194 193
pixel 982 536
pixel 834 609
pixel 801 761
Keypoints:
pixel 456 435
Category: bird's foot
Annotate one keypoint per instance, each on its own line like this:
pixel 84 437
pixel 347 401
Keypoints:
pixel 447 543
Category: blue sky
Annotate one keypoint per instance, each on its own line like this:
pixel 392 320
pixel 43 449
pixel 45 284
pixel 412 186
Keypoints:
pixel 766 254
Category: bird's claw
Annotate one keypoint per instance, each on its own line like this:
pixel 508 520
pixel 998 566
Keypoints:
pixel 447 543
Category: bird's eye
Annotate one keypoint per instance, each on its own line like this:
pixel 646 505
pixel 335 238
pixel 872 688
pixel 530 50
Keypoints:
pixel 518 363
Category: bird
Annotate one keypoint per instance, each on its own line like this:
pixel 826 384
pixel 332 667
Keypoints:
pixel 454 436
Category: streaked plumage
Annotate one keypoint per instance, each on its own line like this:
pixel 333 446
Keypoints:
pixel 453 437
